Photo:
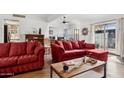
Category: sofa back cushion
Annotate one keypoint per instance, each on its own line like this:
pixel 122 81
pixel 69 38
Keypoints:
pixel 75 44
pixel 81 44
pixel 17 49
pixel 67 45
pixel 4 49
pixel 31 47
pixel 59 43
pixel 89 46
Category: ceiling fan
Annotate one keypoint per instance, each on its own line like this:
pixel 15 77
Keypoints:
pixel 64 20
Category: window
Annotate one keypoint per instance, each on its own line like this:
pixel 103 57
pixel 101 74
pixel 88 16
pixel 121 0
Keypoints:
pixel 13 30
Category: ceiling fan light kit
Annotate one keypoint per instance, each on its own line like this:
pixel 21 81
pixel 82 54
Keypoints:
pixel 64 20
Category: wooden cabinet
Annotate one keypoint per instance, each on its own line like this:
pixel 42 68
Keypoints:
pixel 35 37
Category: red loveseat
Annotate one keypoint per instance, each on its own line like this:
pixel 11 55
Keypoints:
pixel 20 57
pixel 66 50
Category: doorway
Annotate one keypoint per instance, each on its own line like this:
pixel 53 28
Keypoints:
pixel 105 37
pixel 11 31
pixel 5 34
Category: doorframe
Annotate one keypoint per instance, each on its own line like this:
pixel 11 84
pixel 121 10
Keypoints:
pixel 105 38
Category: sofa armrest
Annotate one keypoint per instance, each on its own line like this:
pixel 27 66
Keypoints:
pixel 90 46
pixel 38 50
pixel 57 51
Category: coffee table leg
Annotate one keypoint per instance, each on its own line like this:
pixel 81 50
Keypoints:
pixel 51 74
pixel 104 71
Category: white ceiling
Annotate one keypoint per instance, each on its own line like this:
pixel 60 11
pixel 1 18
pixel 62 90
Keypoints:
pixel 96 17
pixel 81 17
pixel 50 17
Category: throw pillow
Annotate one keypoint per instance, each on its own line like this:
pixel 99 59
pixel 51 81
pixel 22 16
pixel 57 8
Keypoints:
pixel 67 45
pixel 81 44
pixel 17 49
pixel 75 44
pixel 4 49
pixel 59 43
pixel 30 47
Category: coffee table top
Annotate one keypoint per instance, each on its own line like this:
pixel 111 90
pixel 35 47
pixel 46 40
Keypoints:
pixel 73 70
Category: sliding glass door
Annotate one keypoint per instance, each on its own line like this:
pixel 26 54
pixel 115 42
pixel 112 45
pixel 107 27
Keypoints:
pixel 111 37
pixel 99 36
pixel 105 36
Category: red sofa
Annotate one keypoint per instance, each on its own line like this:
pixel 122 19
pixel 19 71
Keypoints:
pixel 20 57
pixel 66 50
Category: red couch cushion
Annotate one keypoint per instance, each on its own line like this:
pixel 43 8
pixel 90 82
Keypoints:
pixel 67 45
pixel 59 43
pixel 89 46
pixel 71 54
pixel 76 52
pixel 4 49
pixel 67 55
pixel 75 44
pixel 97 51
pixel 27 59
pixel 17 49
pixel 38 50
pixel 8 61
pixel 81 44
pixel 98 54
pixel 31 47
pixel 79 52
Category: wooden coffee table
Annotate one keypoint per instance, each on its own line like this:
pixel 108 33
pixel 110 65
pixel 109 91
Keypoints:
pixel 77 71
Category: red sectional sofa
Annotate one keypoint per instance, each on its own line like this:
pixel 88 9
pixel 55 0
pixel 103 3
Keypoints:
pixel 66 50
pixel 20 57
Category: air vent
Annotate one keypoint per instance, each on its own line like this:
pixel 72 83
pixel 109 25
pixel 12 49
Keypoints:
pixel 19 15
